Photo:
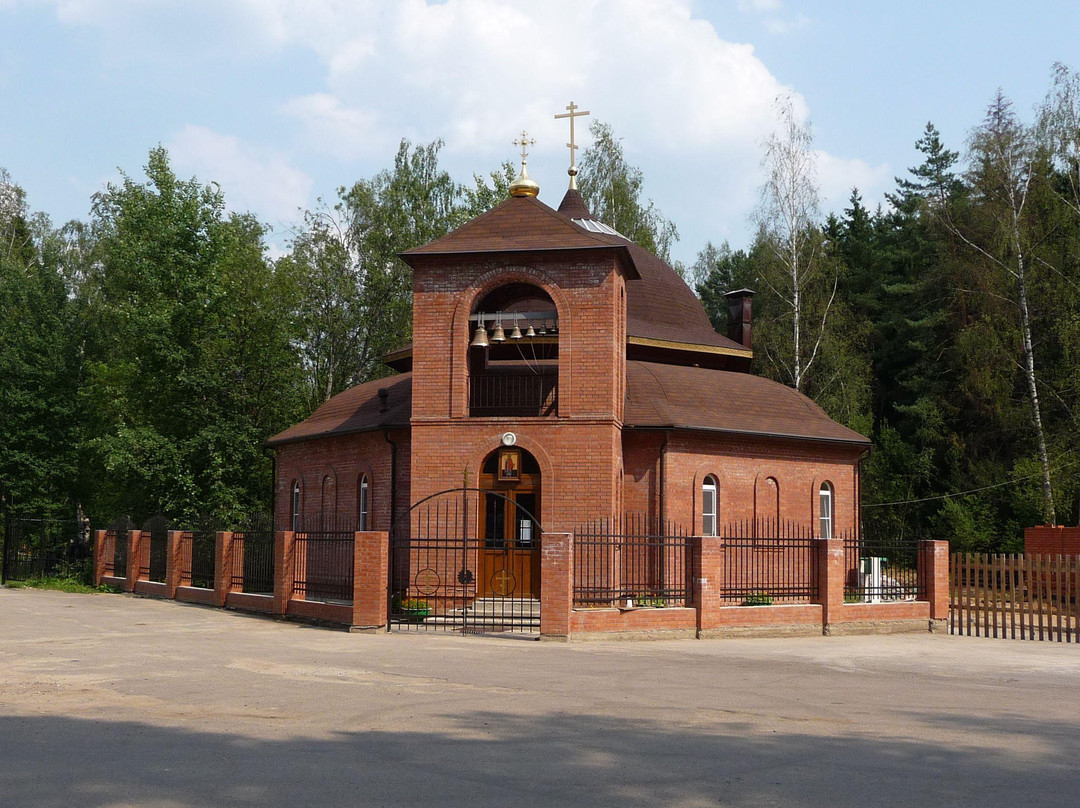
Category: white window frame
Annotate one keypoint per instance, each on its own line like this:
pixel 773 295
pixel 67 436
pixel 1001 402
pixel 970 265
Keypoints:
pixel 826 514
pixel 710 505
pixel 364 501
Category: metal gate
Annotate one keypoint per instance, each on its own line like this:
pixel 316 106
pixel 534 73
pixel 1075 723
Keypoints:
pixel 466 560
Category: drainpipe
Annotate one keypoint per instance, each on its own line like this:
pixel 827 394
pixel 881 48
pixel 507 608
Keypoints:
pixel 393 478
pixel 273 491
pixel 663 476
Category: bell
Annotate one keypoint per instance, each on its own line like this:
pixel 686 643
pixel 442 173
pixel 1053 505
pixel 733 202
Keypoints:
pixel 516 332
pixel 530 331
pixel 497 335
pixel 480 339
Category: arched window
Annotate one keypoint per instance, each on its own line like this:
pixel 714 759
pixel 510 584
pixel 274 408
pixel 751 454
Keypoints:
pixel 294 510
pixel 363 502
pixel 772 501
pixel 826 500
pixel 328 505
pixel 710 506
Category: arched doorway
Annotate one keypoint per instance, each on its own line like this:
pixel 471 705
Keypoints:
pixel 509 525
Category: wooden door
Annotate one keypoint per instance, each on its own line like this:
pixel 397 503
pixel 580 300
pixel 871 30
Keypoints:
pixel 510 557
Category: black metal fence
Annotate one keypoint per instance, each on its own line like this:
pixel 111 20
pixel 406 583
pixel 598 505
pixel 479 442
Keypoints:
pixel 38 548
pixel 769 562
pixel 323 565
pixel 882 569
pixel 155 533
pixel 253 558
pixel 117 539
pixel 633 558
pixel 198 549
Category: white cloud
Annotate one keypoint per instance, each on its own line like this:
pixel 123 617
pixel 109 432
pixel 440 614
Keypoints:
pixel 252 178
pixel 837 176
pixel 345 132
pixel 691 106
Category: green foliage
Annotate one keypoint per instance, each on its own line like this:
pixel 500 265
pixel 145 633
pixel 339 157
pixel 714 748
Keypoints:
pixel 39 364
pixel 612 189
pixel 190 365
pixel 758 599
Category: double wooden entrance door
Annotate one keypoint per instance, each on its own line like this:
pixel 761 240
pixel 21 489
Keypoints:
pixel 510 540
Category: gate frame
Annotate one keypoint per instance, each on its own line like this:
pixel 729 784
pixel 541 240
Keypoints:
pixel 464 490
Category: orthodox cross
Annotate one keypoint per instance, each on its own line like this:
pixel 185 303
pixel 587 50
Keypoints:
pixel 524 141
pixel 571 114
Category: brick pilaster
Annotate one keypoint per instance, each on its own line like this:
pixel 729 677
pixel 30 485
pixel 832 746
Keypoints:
pixel 557 585
pixel 710 559
pixel 132 571
pixel 371 570
pixel 934 573
pixel 223 552
pixel 284 551
pixel 832 573
pixel 173 562
pixel 99 556
pixel 140 556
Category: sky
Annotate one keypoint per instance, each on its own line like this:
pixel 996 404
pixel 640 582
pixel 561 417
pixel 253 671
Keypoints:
pixel 282 102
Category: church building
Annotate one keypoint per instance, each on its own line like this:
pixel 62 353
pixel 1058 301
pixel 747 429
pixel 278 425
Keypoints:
pixel 576 377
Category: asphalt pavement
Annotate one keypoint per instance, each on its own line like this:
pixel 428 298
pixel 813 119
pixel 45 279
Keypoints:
pixel 114 700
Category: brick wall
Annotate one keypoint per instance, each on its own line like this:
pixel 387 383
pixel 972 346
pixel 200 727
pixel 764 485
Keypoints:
pixel 1052 540
pixel 758 477
pixel 342 459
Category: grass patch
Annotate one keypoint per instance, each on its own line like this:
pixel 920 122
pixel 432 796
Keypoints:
pixel 57 584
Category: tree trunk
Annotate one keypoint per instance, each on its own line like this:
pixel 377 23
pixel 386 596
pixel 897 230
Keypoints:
pixel 1049 516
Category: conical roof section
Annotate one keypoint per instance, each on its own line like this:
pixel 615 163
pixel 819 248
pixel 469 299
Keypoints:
pixel 661 310
pixel 519 224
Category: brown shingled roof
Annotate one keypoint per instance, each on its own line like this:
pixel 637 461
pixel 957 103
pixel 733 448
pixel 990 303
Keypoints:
pixel 679 397
pixel 356 410
pixel 519 224
pixel 661 308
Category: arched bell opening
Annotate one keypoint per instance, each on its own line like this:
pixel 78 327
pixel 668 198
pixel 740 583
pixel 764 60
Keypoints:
pixel 514 353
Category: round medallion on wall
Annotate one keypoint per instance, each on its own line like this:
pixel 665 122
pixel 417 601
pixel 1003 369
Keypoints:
pixel 509 439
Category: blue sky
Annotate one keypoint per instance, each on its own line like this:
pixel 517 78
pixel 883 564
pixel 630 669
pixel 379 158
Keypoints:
pixel 282 101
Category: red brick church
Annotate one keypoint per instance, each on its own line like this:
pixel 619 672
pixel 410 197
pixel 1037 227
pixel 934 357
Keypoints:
pixel 576 375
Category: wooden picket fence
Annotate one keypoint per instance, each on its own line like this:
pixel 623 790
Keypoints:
pixel 1026 597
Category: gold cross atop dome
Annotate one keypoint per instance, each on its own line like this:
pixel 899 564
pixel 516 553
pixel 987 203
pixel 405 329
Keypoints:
pixel 571 113
pixel 524 141
pixel 524 185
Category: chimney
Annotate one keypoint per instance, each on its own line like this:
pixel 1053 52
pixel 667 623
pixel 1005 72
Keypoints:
pixel 740 304
pixel 384 394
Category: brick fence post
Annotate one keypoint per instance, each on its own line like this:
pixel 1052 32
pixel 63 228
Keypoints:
pixel 99 556
pixel 132 571
pixel 934 576
pixel 223 552
pixel 371 566
pixel 136 548
pixel 831 577
pixel 173 562
pixel 284 550
pixel 710 559
pixel 556 585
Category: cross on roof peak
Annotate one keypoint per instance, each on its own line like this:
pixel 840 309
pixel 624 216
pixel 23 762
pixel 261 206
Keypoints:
pixel 572 113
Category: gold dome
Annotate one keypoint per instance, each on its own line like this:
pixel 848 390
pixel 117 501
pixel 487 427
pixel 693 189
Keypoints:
pixel 524 185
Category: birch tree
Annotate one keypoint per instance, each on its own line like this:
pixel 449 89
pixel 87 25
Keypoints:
pixel 1005 169
pixel 787 217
